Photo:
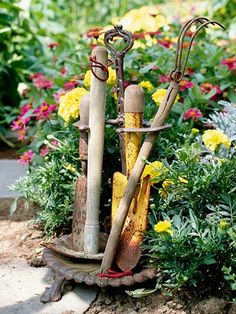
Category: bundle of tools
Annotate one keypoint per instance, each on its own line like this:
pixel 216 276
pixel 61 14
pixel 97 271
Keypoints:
pixel 88 255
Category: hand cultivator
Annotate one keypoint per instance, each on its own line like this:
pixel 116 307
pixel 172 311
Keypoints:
pixel 87 255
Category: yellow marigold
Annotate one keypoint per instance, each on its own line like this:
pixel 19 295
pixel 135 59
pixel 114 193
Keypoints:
pixel 159 95
pixel 69 103
pixel 163 226
pixel 70 168
pixel 146 18
pixel 110 81
pixel 155 170
pixel 165 188
pixel 146 84
pixel 194 131
pixel 223 224
pixel 182 180
pixel 213 138
pixel 87 79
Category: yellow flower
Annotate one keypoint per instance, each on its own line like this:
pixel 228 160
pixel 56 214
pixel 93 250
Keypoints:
pixel 223 224
pixel 70 168
pixel 165 187
pixel 146 84
pixel 163 226
pixel 154 169
pixel 213 138
pixel 146 18
pixel 194 131
pixel 159 95
pixel 87 79
pixel 182 180
pixel 69 103
pixel 110 81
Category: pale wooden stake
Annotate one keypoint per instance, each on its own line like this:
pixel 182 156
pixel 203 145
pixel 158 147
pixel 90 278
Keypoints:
pixel 95 151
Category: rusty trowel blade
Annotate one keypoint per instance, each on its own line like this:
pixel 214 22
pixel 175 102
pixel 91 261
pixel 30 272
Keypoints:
pixel 79 213
pixel 129 252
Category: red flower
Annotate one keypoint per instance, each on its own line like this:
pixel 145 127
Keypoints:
pixel 19 123
pixel 164 42
pixel 139 35
pixel 26 157
pixel 164 78
pixel 53 45
pixel 185 84
pixel 22 133
pixel 230 63
pixel 44 111
pixel 94 32
pixel 40 81
pixel 192 113
pixel 63 70
pixel 189 71
pixel 207 87
pixel 44 151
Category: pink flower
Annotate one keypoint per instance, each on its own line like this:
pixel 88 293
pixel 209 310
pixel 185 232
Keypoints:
pixel 53 45
pixel 164 78
pixel 44 111
pixel 58 94
pixel 24 109
pixel 185 84
pixel 44 151
pixel 22 133
pixel 19 123
pixel 192 113
pixel 35 75
pixel 70 85
pixel 230 63
pixel 55 142
pixel 40 81
pixel 26 157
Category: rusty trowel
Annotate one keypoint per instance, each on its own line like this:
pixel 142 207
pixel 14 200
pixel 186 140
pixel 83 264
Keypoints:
pixel 128 252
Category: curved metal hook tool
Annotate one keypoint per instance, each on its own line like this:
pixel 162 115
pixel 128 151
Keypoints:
pixel 179 69
pixel 118 60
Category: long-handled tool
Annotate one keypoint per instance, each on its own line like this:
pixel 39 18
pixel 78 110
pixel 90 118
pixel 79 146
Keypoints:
pixel 95 147
pixel 166 105
pixel 80 208
pixel 128 251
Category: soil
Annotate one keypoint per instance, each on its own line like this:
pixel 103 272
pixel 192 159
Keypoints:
pixel 7 152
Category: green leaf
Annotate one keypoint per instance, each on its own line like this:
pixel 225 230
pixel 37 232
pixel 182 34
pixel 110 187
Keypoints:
pixel 193 219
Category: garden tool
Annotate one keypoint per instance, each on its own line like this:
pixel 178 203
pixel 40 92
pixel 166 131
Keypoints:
pixel 118 60
pixel 99 62
pixel 79 212
pixel 128 252
pixel 146 148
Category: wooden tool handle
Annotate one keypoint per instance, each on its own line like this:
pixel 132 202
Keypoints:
pixel 133 108
pixel 95 149
pixel 135 175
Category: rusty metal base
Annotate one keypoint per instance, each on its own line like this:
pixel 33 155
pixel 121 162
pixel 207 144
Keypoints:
pixel 82 271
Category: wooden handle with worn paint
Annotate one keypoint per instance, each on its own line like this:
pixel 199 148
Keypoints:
pixel 80 198
pixel 133 110
pixel 135 175
pixel 95 150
